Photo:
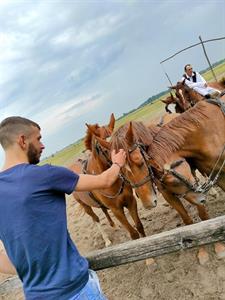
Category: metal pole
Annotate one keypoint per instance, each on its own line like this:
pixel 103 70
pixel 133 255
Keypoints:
pixel 166 75
pixel 214 75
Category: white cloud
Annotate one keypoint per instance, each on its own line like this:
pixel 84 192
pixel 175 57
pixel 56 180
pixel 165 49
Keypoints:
pixel 90 32
pixel 57 116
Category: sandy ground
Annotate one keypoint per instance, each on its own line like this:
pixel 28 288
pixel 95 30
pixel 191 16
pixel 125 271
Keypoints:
pixel 176 276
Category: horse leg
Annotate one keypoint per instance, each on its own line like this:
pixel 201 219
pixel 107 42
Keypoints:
pixel 119 214
pixel 104 235
pixel 132 208
pixel 105 211
pixel 202 255
pixel 95 219
pixel 177 204
pixel 89 211
pixel 202 212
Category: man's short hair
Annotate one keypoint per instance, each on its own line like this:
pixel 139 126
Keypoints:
pixel 11 127
pixel 186 66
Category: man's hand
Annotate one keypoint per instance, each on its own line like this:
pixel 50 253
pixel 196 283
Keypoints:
pixel 119 158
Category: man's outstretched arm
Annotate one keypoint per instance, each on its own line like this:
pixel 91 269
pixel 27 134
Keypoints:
pixel 105 179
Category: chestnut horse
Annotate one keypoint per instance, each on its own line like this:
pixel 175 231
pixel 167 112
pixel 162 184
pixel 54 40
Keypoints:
pixel 189 96
pixel 119 196
pixel 86 199
pixel 142 145
pixel 175 104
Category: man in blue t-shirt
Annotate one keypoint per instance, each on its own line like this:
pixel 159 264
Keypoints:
pixel 33 225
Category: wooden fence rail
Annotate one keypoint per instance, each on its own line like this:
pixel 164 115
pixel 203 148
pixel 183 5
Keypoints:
pixel 163 243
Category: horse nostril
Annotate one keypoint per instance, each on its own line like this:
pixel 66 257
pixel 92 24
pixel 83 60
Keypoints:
pixel 202 201
pixel 155 202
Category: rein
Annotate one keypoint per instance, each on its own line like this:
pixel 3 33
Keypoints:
pixel 206 186
pixel 109 163
pixel 170 169
pixel 213 177
pixel 90 194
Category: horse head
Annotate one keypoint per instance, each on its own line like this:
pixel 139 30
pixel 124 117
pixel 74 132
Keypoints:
pixel 104 132
pixel 130 137
pixel 172 104
pixel 187 96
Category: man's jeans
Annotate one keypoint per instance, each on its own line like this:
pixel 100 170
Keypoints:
pixel 92 290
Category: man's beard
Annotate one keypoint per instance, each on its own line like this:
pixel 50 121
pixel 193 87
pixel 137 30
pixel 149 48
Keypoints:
pixel 33 155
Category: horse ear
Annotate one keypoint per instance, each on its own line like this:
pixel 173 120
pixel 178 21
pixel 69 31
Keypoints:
pixel 103 143
pixel 164 101
pixel 90 128
pixel 111 122
pixel 172 87
pixel 130 135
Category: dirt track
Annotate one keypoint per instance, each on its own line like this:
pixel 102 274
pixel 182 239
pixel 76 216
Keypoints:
pixel 176 276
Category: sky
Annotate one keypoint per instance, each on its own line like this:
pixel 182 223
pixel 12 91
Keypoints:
pixel 67 63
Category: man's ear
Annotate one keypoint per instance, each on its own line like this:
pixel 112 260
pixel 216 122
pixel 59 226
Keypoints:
pixel 22 141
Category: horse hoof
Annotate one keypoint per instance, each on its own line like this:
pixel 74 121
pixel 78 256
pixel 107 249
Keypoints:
pixel 203 256
pixel 220 250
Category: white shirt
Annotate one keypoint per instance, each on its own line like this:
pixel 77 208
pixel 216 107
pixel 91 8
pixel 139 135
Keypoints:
pixel 199 85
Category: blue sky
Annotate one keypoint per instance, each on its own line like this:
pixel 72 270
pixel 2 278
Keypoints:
pixel 65 63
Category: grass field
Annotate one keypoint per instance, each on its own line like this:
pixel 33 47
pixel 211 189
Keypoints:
pixel 148 112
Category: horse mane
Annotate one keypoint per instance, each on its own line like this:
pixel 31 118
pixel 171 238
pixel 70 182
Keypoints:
pixel 88 138
pixel 172 136
pixel 141 134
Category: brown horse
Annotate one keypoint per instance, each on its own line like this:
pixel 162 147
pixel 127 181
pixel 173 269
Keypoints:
pixel 176 104
pixel 189 97
pixel 86 200
pixel 138 140
pixel 119 196
pixel 141 182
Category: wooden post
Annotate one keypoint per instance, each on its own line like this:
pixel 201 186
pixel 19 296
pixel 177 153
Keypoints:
pixel 214 75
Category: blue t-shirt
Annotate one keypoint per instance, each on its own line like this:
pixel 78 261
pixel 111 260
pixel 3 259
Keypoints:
pixel 33 228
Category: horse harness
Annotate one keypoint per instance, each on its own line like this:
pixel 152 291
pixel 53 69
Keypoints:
pixel 150 176
pixel 146 179
pixel 212 178
pixel 84 170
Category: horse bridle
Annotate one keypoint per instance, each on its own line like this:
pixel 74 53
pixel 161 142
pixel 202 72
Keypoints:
pixel 109 162
pixel 146 179
pixel 191 187
pixel 150 177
